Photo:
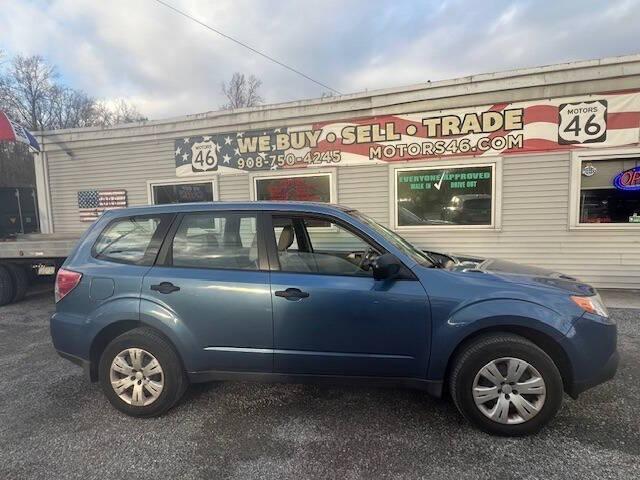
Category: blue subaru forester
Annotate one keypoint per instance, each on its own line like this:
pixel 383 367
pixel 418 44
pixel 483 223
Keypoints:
pixel 154 298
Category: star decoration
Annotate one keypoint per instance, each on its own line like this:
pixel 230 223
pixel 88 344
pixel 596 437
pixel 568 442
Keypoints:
pixel 217 147
pixel 277 130
pixel 274 167
pixel 227 140
pixel 239 134
pixel 185 157
pixel 226 158
pixel 206 139
pixel 263 155
pixel 236 151
pixel 178 151
pixel 186 140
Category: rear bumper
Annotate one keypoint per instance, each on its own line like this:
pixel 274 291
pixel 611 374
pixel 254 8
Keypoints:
pixel 70 338
pixel 81 362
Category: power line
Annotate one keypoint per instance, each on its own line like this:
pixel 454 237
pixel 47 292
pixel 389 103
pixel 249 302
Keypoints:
pixel 186 15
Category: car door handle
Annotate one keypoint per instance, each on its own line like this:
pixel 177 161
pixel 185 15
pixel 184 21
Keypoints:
pixel 292 294
pixel 165 287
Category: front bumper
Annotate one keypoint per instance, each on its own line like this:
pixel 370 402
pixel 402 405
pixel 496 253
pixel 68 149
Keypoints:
pixel 591 345
pixel 606 373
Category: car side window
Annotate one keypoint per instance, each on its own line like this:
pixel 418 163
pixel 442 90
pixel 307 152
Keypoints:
pixel 216 240
pixel 331 250
pixel 127 240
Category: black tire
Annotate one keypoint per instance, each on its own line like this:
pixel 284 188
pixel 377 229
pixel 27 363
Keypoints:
pixel 7 287
pixel 175 379
pixel 488 348
pixel 20 281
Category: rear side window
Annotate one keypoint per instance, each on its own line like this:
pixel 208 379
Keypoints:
pixel 216 240
pixel 130 240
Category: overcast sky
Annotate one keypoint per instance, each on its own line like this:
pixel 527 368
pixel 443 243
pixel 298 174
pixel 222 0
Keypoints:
pixel 168 65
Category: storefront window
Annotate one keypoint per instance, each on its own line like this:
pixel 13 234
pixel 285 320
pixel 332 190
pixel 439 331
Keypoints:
pixel 182 193
pixel 307 188
pixel 300 188
pixel 610 191
pixel 445 196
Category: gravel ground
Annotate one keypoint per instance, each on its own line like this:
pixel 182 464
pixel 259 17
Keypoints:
pixel 53 424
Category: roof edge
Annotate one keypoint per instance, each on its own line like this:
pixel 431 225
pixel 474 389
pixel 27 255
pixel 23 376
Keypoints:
pixel 478 78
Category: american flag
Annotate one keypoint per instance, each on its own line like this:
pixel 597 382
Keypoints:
pixel 92 203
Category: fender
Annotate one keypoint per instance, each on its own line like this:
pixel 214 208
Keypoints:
pixel 147 313
pixel 492 313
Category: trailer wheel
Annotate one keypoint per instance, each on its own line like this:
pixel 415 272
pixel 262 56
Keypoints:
pixel 20 281
pixel 6 286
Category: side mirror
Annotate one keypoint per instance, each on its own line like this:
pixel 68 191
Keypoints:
pixel 385 266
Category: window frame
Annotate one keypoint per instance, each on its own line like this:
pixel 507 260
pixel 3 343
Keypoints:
pixel 575 182
pixel 272 244
pixel 270 175
pixel 332 173
pixel 495 162
pixel 167 220
pixel 164 257
pixel 182 181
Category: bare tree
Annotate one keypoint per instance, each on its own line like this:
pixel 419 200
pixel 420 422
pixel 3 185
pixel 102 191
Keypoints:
pixel 242 91
pixel 30 93
pixel 115 113
pixel 27 89
pixel 71 108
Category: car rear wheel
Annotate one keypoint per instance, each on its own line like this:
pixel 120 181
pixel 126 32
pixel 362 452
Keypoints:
pixel 141 373
pixel 506 385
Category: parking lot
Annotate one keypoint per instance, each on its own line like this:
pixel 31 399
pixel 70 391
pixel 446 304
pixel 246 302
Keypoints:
pixel 53 424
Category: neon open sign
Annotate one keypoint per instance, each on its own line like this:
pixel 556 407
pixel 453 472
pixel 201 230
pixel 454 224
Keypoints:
pixel 628 180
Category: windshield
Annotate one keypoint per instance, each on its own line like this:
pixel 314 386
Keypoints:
pixel 397 241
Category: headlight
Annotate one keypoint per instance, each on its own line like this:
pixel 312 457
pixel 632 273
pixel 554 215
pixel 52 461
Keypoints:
pixel 591 304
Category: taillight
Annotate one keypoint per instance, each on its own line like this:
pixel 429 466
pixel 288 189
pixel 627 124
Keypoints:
pixel 66 280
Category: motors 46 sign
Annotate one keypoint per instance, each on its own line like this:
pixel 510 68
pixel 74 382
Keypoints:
pixel 204 156
pixel 584 122
pixel 593 121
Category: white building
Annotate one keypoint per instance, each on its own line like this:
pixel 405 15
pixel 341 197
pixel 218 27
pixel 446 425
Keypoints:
pixel 539 166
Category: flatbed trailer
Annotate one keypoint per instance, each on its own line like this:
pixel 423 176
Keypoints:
pixel 24 258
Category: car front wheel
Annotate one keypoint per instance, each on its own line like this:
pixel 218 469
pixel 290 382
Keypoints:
pixel 506 385
pixel 141 374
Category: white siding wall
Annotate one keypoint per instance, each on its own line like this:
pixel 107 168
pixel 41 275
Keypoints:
pixel 127 167
pixel 535 195
pixel 535 213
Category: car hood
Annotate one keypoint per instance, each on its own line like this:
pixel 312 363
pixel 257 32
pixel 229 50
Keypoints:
pixel 513 272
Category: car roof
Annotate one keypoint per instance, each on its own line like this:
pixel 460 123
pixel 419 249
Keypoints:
pixel 309 207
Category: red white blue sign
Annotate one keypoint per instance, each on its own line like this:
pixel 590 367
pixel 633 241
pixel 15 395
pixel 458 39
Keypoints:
pixel 11 131
pixel 628 180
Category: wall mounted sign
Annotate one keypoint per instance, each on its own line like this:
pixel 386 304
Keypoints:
pixel 589 170
pixel 584 122
pixel 628 180
pixel 92 203
pixel 506 128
